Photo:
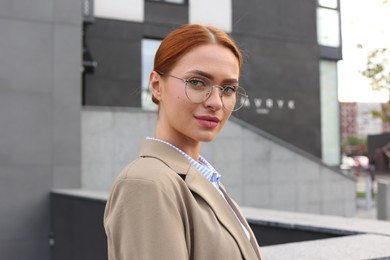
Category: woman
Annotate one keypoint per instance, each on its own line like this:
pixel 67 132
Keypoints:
pixel 168 203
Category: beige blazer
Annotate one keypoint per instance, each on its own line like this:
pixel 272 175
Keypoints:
pixel 162 207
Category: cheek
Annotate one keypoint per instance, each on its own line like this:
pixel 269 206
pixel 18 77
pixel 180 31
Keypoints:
pixel 174 94
pixel 225 119
pixel 227 115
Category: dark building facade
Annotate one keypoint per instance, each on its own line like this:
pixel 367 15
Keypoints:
pixel 281 72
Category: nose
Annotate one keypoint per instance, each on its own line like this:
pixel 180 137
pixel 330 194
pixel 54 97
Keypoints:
pixel 214 101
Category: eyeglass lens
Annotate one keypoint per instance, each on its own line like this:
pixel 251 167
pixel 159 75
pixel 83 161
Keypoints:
pixel 231 101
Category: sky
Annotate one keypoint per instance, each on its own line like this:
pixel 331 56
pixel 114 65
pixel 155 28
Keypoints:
pixel 365 22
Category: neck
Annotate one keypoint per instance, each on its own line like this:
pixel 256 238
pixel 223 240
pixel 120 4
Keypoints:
pixel 190 148
pixel 187 145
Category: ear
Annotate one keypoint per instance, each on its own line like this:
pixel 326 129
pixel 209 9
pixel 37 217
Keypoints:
pixel 155 85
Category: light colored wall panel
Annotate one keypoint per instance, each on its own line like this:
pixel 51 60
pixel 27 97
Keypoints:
pixel 25 54
pixel 126 10
pixel 38 10
pixel 383 210
pixel 257 171
pixel 40 53
pixel 330 121
pixel 217 13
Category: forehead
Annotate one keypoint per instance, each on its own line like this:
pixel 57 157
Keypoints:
pixel 211 58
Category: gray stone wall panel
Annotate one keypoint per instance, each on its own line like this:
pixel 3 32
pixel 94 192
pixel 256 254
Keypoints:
pixel 256 170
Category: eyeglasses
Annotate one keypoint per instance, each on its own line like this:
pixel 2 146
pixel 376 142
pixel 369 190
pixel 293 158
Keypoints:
pixel 198 90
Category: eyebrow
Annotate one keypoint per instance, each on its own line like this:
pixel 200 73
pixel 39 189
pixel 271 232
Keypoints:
pixel 209 76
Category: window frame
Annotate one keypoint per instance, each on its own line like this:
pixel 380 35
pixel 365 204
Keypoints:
pixel 185 2
pixel 146 97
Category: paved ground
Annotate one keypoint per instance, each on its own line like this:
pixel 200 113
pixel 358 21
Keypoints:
pixel 366 208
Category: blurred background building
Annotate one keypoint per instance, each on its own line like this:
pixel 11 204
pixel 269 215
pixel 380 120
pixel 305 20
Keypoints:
pixel 74 105
pixel 358 119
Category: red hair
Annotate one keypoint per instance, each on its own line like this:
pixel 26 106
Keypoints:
pixel 187 37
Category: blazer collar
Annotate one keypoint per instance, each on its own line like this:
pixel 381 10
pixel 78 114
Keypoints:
pixel 163 152
pixel 241 216
pixel 197 183
pixel 200 185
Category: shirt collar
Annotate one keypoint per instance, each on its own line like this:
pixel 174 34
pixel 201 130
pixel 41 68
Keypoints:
pixel 203 166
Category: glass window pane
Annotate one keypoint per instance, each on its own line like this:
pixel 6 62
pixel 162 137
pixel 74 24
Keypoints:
pixel 149 48
pixel 330 123
pixel 328 28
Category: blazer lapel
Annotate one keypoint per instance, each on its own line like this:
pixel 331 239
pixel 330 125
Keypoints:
pixel 239 214
pixel 200 185
pixel 197 183
pixel 166 154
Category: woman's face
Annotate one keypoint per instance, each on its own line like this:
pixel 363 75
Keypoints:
pixel 182 122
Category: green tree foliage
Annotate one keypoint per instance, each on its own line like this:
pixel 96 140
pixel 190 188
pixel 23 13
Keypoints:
pixel 378 72
pixel 376 69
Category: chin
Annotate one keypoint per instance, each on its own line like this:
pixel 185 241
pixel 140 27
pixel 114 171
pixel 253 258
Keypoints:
pixel 207 138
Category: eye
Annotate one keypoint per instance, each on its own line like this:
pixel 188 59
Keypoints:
pixel 196 84
pixel 229 89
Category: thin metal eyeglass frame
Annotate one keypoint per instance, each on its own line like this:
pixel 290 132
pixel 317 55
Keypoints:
pixel 185 81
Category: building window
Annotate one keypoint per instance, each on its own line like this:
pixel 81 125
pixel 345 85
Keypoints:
pixel 330 123
pixel 149 48
pixel 328 3
pixel 328 27
pixel 182 2
pixel 328 23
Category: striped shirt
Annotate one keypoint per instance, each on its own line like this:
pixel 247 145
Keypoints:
pixel 206 169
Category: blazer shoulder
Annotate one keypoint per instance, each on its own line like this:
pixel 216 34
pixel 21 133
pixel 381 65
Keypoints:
pixel 152 170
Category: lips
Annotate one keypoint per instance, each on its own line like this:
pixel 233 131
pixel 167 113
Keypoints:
pixel 208 121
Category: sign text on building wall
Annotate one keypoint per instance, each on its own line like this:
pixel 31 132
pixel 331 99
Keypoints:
pixel 266 105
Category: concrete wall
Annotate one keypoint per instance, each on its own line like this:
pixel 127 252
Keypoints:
pixel 383 201
pixel 257 169
pixel 40 54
